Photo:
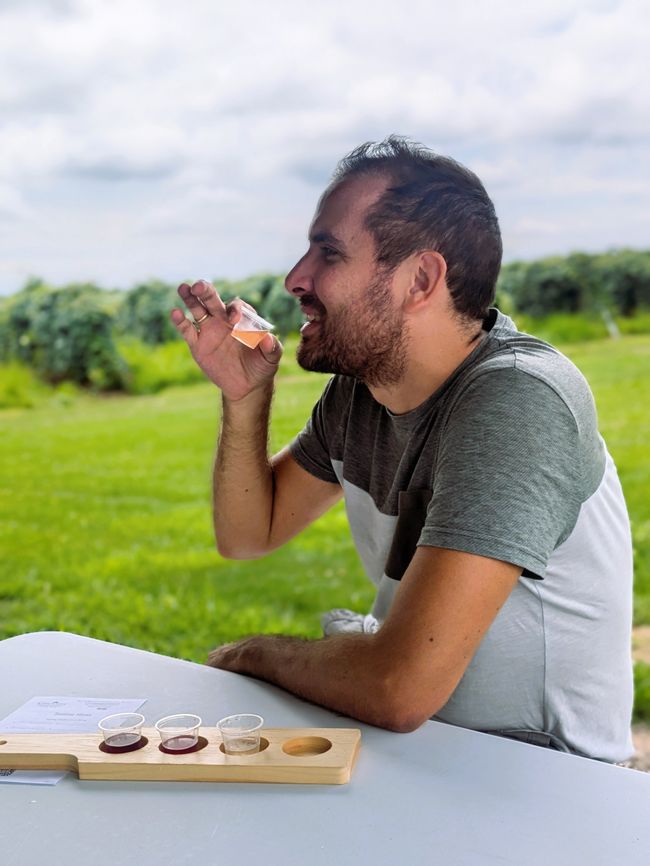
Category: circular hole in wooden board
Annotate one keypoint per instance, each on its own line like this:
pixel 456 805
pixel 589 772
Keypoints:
pixel 304 747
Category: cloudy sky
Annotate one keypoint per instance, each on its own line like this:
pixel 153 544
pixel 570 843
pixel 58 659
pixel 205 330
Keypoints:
pixel 144 138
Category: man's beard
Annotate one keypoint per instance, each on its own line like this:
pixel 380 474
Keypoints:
pixel 365 339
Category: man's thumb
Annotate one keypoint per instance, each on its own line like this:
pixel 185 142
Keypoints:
pixel 271 348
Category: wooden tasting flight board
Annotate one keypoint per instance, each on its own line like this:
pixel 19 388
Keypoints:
pixel 316 756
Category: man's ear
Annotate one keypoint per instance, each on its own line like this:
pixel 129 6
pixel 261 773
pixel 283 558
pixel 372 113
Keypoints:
pixel 428 273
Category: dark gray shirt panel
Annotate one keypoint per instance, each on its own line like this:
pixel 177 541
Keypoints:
pixel 312 449
pixel 495 453
pixel 508 479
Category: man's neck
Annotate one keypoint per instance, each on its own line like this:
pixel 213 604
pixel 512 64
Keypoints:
pixel 426 373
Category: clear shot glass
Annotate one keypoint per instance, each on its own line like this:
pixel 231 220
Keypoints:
pixel 251 328
pixel 121 729
pixel 178 732
pixel 241 733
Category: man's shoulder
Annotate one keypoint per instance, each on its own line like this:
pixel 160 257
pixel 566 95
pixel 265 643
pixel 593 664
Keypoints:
pixel 513 358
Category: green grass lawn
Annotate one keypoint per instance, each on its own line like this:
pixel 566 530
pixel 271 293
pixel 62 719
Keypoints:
pixel 105 527
pixel 105 517
pixel 619 374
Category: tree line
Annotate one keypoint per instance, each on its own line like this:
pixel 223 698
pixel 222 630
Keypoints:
pixel 73 332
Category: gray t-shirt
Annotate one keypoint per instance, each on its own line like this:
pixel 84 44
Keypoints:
pixel 505 461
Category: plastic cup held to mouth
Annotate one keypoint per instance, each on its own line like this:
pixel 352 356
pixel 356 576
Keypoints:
pixel 251 328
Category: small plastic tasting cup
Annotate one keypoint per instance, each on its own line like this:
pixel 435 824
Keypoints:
pixel 121 729
pixel 178 732
pixel 251 328
pixel 241 733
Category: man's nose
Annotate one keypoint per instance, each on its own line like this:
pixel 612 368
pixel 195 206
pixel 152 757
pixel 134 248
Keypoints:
pixel 299 281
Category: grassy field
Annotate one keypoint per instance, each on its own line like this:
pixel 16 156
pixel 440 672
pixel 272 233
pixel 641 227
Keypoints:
pixel 105 518
pixel 105 525
pixel 619 374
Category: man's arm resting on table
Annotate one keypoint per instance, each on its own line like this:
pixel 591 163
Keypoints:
pixel 406 672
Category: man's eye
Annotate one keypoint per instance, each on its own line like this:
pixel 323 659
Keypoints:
pixel 329 252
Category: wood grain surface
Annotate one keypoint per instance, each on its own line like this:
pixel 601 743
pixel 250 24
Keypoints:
pixel 312 756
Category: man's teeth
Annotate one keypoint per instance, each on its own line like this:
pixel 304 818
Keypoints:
pixel 312 317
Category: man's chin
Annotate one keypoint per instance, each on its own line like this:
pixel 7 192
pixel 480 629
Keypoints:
pixel 311 364
pixel 311 360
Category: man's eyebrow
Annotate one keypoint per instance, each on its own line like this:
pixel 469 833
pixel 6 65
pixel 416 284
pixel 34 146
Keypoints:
pixel 324 237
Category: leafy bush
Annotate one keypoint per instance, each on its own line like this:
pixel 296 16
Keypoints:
pixel 563 328
pixel 639 324
pixel 617 281
pixel 63 334
pixel 152 368
pixel 19 387
pixel 626 275
pixel 543 286
pixel 144 312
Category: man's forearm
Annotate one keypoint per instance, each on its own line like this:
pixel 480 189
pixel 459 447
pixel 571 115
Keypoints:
pixel 345 673
pixel 243 479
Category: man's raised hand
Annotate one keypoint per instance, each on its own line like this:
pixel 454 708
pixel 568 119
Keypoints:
pixel 234 368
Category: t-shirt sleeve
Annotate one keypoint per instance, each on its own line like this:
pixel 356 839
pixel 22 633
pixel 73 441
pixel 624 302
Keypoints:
pixel 312 447
pixel 507 482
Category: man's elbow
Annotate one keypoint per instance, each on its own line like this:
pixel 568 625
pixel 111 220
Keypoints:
pixel 246 545
pixel 403 720
pixel 238 549
pixel 403 711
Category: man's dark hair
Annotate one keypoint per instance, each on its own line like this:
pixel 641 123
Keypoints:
pixel 431 202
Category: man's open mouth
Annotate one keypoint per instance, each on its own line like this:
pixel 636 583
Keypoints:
pixel 313 316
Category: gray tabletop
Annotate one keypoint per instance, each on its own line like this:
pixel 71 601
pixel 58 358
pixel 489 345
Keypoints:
pixel 441 795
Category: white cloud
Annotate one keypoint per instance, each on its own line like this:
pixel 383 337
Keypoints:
pixel 201 133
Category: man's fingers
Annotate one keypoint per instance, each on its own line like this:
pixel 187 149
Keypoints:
pixel 208 298
pixel 234 309
pixel 194 304
pixel 184 327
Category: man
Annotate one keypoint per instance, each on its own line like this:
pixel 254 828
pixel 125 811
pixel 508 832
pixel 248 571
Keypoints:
pixel 481 498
